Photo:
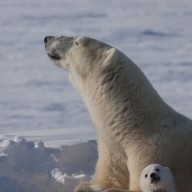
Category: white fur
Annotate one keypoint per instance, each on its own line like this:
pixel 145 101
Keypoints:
pixel 165 182
pixel 134 126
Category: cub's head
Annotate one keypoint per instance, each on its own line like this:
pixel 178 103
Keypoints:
pixel 156 178
pixel 80 56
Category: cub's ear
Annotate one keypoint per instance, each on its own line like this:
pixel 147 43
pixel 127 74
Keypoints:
pixel 110 57
pixel 167 168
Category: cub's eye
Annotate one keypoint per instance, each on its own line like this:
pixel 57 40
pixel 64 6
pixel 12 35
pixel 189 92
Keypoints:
pixel 157 170
pixel 146 176
pixel 76 43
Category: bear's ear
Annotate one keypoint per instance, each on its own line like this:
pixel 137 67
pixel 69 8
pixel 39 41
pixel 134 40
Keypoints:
pixel 167 169
pixel 110 57
pixel 83 41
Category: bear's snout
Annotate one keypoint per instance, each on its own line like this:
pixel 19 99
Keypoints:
pixel 154 177
pixel 48 38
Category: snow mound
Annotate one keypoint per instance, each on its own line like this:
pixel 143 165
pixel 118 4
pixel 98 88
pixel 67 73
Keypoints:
pixel 33 166
pixel 69 180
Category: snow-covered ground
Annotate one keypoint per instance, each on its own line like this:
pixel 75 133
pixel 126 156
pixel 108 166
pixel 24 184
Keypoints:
pixel 34 167
pixel 38 103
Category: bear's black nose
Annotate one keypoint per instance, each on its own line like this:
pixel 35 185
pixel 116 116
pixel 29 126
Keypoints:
pixel 153 175
pixel 48 38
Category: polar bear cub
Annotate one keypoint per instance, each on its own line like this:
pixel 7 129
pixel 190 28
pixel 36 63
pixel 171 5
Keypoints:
pixel 157 178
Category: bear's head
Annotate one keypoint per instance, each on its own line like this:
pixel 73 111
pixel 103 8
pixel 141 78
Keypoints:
pixel 156 177
pixel 80 56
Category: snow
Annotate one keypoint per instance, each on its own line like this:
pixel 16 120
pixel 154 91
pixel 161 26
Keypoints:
pixel 69 180
pixel 34 166
pixel 38 104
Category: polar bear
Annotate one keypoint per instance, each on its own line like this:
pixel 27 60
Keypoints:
pixel 157 178
pixel 134 126
pixel 154 178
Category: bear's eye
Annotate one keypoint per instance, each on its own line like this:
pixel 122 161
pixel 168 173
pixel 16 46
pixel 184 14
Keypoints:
pixel 157 170
pixel 76 43
pixel 146 176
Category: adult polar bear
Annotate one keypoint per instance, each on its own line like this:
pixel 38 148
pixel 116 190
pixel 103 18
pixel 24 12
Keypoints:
pixel 135 127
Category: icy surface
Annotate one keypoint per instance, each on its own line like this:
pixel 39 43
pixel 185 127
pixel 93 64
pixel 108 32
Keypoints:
pixel 36 99
pixel 31 167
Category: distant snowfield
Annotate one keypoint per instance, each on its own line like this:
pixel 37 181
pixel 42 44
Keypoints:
pixel 38 103
pixel 36 99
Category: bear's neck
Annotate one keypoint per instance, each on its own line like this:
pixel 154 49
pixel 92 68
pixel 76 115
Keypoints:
pixel 123 97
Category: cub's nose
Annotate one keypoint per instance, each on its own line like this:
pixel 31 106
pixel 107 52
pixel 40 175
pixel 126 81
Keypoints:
pixel 153 175
pixel 48 38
